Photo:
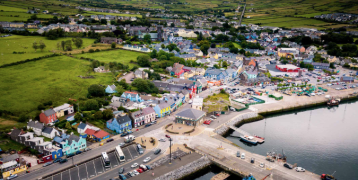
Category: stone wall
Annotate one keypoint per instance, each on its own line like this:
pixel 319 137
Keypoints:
pixel 186 169
pixel 225 127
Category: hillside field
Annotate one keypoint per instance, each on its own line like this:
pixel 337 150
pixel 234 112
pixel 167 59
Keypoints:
pixel 24 44
pixel 121 56
pixel 25 86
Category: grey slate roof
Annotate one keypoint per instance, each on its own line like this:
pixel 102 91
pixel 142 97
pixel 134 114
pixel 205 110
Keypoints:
pixel 82 126
pixel 10 158
pixel 47 130
pixel 49 112
pixel 73 138
pixel 34 124
pixel 191 114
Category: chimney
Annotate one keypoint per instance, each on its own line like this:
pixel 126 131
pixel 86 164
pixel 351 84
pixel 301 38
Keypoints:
pixel 71 133
pixel 42 111
pixel 36 121
pixel 30 120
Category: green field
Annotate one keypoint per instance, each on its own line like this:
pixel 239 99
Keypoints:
pixel 7 8
pixel 88 13
pixel 20 16
pixel 24 44
pixel 121 56
pixel 25 86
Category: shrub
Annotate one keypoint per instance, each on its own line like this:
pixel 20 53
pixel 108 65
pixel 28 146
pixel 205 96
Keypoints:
pixel 168 125
pixel 172 132
pixel 91 51
pixel 187 132
pixel 97 50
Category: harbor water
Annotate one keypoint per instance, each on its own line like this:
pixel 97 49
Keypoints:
pixel 322 140
pixel 209 172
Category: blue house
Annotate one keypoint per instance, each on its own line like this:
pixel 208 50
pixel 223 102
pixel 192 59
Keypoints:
pixel 111 89
pixel 215 74
pixel 132 96
pixel 120 124
pixel 231 73
pixel 162 109
pixel 71 144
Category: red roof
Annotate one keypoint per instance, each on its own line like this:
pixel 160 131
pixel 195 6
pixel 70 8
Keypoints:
pixel 90 131
pixel 130 92
pixel 101 134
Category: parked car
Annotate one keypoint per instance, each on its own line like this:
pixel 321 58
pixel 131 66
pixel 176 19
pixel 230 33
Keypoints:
pixel 87 149
pixel 70 155
pixel 135 172
pixel 12 176
pixel 243 156
pixel 167 136
pixel 47 164
pixel 121 144
pixel 121 170
pixel 78 152
pixel 161 140
pixel 207 122
pixel 238 154
pixel 288 166
pixel 56 160
pixel 252 160
pixel 147 125
pixel 143 167
pixel 147 159
pixel 110 140
pixel 212 116
pixel 134 165
pixel 63 161
pixel 140 170
pixel 262 165
pixel 157 151
pixel 299 169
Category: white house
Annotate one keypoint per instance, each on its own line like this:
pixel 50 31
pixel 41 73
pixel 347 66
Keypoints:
pixel 197 103
pixel 50 132
pixel 82 127
pixel 64 110
pixel 35 126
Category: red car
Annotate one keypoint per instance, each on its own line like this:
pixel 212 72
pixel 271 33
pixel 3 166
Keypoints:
pixel 217 114
pixel 207 122
pixel 167 136
pixel 140 170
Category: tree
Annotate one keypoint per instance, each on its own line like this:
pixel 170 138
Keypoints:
pixel 162 58
pixel 63 45
pixel 113 45
pixel 33 17
pixel 143 61
pixel 147 38
pixel 162 46
pixel 153 54
pixel 331 65
pixel 107 114
pixel 96 90
pixel 78 116
pixel 91 104
pixel 58 45
pixel 98 115
pixel 68 125
pixel 143 85
pixel 42 45
pixel 224 65
pixel 103 21
pixel 23 117
pixel 78 42
pixel 200 36
pixel 35 46
pixel 120 90
pixel 123 83
pixel 68 45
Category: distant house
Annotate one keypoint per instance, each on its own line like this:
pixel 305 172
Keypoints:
pixel 197 103
pixel 64 110
pixel 72 144
pixel 111 89
pixel 320 65
pixel 98 135
pixel 143 117
pixel 132 96
pixel 50 132
pixel 35 126
pixel 110 40
pixel 162 109
pixel 48 116
pixel 190 117
pixel 101 69
pixel 82 127
pixel 120 123
pixel 177 70
pixel 140 74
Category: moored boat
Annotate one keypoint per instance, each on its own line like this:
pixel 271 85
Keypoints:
pixel 248 139
pixel 333 102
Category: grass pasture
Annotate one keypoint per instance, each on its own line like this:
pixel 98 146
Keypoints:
pixel 121 56
pixel 24 44
pixel 25 86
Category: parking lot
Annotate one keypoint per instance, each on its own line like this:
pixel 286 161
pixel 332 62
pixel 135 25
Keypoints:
pixel 95 167
pixel 343 86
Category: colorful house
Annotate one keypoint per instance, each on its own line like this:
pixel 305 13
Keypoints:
pixel 177 70
pixel 143 117
pixel 132 96
pixel 162 109
pixel 120 123
pixel 48 116
pixel 64 110
pixel 97 136
pixel 72 144
pixel 111 89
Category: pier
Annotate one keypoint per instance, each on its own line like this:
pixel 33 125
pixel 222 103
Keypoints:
pixel 220 176
pixel 242 132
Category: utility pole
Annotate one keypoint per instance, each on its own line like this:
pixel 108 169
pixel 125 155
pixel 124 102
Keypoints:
pixel 170 151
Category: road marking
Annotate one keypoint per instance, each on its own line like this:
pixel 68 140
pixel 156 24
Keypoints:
pixel 78 172
pixel 99 172
pixel 130 153
pixel 135 157
pixel 95 171
pixel 86 170
pixel 69 173
pixel 129 159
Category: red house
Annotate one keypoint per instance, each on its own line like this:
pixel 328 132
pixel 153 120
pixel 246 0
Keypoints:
pixel 287 68
pixel 177 69
pixel 48 116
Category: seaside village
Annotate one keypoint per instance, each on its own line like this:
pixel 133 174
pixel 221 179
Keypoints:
pixel 260 72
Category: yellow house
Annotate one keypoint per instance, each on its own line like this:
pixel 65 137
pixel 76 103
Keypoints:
pixel 215 56
pixel 17 25
pixel 63 110
pixel 200 71
pixel 188 74
pixel 14 171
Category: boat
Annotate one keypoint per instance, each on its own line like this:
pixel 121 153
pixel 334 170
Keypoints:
pixel 248 139
pixel 259 137
pixel 249 177
pixel 333 102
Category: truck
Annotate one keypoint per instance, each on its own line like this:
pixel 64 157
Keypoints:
pixel 327 177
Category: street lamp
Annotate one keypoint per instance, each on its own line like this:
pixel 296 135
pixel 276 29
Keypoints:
pixel 170 151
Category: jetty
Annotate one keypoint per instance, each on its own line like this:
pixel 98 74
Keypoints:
pixel 244 133
pixel 221 176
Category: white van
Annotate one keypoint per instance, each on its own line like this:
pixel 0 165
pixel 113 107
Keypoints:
pixel 243 156
pixel 130 137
